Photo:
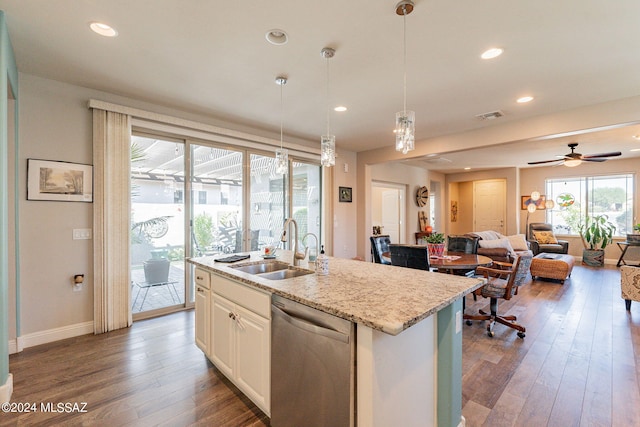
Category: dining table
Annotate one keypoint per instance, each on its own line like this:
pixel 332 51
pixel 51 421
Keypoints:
pixel 451 261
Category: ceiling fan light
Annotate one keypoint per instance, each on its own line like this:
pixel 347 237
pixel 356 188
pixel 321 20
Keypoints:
pixel 572 163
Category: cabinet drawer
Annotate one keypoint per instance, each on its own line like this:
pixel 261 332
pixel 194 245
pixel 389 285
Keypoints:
pixel 202 278
pixel 252 299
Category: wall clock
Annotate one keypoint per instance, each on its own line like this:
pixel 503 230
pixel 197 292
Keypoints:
pixel 422 196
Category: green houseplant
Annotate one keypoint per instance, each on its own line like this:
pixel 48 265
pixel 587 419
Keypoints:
pixel 596 233
pixel 435 244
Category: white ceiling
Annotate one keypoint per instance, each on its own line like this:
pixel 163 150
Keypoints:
pixel 212 58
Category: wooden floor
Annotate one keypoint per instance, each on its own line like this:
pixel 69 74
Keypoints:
pixel 148 375
pixel 577 366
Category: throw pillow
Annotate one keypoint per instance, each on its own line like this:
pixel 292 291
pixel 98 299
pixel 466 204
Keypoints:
pixel 518 242
pixel 497 243
pixel 545 237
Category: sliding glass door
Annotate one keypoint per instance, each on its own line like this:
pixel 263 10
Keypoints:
pixel 157 224
pixel 191 199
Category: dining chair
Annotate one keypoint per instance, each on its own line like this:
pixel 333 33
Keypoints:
pixel 503 281
pixel 409 256
pixel 464 244
pixel 380 248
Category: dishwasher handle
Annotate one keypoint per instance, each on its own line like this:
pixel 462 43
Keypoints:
pixel 309 326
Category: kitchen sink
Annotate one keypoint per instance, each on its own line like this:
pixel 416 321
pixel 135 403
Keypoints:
pixel 262 267
pixel 286 274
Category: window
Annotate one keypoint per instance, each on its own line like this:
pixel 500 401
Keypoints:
pixel 577 198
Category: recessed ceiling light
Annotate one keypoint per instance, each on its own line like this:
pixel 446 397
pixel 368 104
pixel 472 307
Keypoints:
pixel 103 29
pixel 494 52
pixel 340 108
pixel 635 149
pixel 636 137
pixel 467 168
pixel 277 37
pixel 524 99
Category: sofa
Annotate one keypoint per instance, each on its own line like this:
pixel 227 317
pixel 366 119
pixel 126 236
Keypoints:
pixel 499 247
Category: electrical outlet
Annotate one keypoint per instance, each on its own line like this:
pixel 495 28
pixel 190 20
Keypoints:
pixel 81 234
pixel 458 321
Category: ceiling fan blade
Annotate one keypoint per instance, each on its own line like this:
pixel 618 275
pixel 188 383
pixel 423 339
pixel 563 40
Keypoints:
pixel 545 161
pixel 612 154
pixel 587 159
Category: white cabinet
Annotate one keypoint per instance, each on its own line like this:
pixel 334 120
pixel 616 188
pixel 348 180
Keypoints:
pixel 203 311
pixel 241 337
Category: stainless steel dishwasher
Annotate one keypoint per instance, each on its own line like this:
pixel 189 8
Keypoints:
pixel 312 367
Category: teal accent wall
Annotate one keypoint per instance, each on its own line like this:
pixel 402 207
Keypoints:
pixel 8 78
pixel 449 366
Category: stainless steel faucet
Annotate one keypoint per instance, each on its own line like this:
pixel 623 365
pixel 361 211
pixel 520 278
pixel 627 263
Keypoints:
pixel 297 256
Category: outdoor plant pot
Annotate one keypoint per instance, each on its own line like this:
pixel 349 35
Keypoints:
pixel 593 257
pixel 156 270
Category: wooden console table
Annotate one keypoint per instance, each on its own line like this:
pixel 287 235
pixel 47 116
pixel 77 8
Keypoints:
pixel 623 247
pixel 421 234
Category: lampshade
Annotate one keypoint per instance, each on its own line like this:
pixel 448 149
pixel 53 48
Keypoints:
pixel 572 163
pixel 405 131
pixel 328 150
pixel 535 195
pixel 531 207
pixel 549 204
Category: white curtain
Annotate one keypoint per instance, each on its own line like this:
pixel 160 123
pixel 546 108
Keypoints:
pixel 111 216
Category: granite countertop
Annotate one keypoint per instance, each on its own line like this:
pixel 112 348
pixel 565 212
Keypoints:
pixel 383 297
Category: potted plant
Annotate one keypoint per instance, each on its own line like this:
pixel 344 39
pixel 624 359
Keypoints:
pixel 596 234
pixel 635 236
pixel 435 244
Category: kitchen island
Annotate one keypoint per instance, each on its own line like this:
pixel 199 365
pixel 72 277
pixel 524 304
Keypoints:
pixel 408 329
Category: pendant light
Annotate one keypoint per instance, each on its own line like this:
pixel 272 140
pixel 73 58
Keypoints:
pixel 328 141
pixel 282 155
pixel 405 120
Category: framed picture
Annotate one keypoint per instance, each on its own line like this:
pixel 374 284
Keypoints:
pixel 344 194
pixel 59 181
pixel 526 201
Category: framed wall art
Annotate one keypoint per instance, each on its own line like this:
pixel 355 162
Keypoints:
pixel 59 181
pixel 526 201
pixel 344 194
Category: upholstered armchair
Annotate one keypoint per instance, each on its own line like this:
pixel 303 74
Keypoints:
pixel 541 239
pixel 630 284
pixel 380 248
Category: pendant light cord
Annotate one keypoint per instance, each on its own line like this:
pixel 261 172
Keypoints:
pixel 327 95
pixel 404 58
pixel 281 114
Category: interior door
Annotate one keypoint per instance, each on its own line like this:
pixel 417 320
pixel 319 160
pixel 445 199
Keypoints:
pixel 391 213
pixel 489 211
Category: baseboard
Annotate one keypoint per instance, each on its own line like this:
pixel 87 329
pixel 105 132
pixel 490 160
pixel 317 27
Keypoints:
pixel 6 390
pixel 51 335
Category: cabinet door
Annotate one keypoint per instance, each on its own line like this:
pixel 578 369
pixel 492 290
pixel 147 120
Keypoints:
pixel 253 356
pixel 203 314
pixel 222 334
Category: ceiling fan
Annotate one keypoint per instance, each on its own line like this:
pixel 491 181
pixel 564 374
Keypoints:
pixel 574 159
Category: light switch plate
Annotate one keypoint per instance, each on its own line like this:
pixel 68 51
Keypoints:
pixel 81 234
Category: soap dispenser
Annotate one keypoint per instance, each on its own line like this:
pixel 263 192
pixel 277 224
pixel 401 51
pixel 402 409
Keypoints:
pixel 322 263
